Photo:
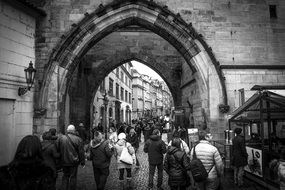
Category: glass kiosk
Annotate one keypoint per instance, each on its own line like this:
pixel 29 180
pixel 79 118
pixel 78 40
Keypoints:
pixel 262 118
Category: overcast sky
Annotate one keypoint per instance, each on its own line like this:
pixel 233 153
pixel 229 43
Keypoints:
pixel 143 69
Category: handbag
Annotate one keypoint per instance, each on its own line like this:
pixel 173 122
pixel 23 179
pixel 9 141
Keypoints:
pixel 126 157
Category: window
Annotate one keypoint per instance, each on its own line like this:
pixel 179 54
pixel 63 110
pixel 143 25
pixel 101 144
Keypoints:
pixel 122 76
pixel 241 97
pixel 130 98
pixel 130 85
pixel 102 86
pixel 126 80
pixel 117 72
pixel 111 81
pixel 117 91
pixel 272 11
pixel 126 96
pixel 122 93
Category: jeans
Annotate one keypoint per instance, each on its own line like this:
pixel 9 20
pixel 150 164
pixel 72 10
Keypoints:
pixel 238 175
pixel 101 175
pixel 209 184
pixel 122 170
pixel 137 161
pixel 69 178
pixel 159 174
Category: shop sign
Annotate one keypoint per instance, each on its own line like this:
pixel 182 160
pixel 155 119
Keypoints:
pixel 179 112
pixel 193 135
pixel 254 161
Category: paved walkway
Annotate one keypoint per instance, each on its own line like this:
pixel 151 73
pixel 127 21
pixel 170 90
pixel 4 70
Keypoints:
pixel 140 176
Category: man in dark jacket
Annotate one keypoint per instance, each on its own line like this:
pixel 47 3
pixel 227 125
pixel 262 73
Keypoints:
pixel 132 138
pixel 155 148
pixel 101 152
pixel 72 154
pixel 176 165
pixel 239 157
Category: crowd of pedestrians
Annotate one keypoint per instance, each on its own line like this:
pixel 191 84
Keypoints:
pixel 37 163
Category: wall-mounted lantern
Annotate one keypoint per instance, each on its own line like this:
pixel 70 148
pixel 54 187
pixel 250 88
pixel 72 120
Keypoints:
pixel 30 77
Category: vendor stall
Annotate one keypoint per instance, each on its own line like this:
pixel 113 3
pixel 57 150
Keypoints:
pixel 262 118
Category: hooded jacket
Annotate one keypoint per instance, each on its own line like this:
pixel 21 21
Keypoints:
pixel 118 151
pixel 100 154
pixel 155 147
pixel 50 154
pixel 176 163
pixel 70 155
pixel 239 154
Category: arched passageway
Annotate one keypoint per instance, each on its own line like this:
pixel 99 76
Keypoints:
pixel 107 19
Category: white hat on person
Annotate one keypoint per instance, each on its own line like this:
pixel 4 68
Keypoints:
pixel 122 136
pixel 70 128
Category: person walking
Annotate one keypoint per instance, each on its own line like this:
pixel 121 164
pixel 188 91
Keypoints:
pixel 121 144
pixel 113 135
pixel 27 171
pixel 50 153
pixel 183 146
pixel 211 159
pixel 177 166
pixel 239 157
pixel 155 147
pixel 101 152
pixel 134 141
pixel 72 154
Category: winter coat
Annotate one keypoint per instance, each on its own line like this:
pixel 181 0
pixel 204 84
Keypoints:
pixel 210 156
pixel 70 155
pixel 281 174
pixel 155 147
pixel 176 164
pixel 133 140
pixel 50 154
pixel 118 151
pixel 184 146
pixel 101 154
pixel 27 175
pixel 239 154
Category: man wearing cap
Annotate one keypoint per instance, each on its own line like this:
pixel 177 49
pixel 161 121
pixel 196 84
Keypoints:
pixel 72 154
pixel 239 157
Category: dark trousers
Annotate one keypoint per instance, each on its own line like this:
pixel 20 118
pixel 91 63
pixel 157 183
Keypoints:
pixel 122 171
pixel 159 174
pixel 101 175
pixel 137 161
pixel 69 178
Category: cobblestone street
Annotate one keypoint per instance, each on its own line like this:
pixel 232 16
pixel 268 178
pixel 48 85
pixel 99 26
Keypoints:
pixel 140 176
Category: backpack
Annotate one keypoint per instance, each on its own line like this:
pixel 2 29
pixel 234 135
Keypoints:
pixel 197 168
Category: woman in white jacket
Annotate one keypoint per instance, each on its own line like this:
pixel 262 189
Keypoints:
pixel 123 166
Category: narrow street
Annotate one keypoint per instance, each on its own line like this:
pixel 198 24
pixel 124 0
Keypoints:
pixel 86 181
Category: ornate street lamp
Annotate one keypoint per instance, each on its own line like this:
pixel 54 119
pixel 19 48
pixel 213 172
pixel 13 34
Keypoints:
pixel 30 77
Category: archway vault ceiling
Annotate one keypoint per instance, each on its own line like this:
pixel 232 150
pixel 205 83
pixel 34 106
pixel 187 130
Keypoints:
pixel 118 14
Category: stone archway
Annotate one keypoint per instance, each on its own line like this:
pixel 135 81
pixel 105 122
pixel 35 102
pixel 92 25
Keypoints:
pixel 105 20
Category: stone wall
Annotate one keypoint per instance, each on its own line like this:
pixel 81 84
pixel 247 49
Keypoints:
pixel 17 49
pixel 237 32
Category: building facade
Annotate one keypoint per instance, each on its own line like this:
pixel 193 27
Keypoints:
pixel 117 87
pixel 151 97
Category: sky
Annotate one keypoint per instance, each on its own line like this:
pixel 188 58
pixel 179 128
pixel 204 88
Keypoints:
pixel 143 69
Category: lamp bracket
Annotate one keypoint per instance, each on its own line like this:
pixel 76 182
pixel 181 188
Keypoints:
pixel 23 90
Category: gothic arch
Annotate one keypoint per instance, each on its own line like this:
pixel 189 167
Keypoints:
pixel 120 13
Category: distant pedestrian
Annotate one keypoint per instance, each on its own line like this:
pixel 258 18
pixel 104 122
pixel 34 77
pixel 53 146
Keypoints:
pixel 212 161
pixel 113 135
pixel 155 148
pixel 239 157
pixel 138 129
pixel 101 152
pixel 147 130
pixel 72 154
pixel 134 141
pixel 177 166
pixel 184 147
pixel 50 153
pixel 123 166
pixel 27 171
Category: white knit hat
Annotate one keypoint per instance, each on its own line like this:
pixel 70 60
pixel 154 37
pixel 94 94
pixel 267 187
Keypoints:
pixel 70 128
pixel 122 136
